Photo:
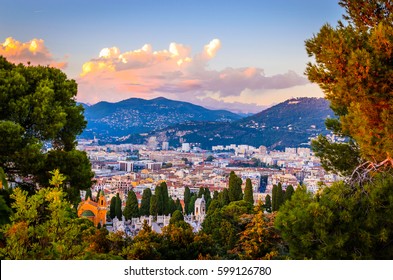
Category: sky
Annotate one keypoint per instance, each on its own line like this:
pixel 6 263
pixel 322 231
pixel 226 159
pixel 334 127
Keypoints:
pixel 241 56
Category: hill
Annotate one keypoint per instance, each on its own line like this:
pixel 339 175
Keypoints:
pixel 288 124
pixel 136 115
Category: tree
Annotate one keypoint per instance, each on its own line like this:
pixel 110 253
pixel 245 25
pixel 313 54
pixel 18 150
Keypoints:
pixel 210 158
pixel 353 66
pixel 38 105
pixel 268 204
pixel 260 239
pixel 178 205
pixel 131 210
pixel 118 210
pixel 191 206
pixel 187 198
pixel 165 198
pixel 248 193
pixel 176 217
pixel 88 194
pixel 159 196
pixel 44 226
pixel 171 206
pixel 112 208
pixel 288 193
pixel 153 205
pixel 145 203
pixel 277 197
pixel 235 187
pixel 224 197
pixel 340 222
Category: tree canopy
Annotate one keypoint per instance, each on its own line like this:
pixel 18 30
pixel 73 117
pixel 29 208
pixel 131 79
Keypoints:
pixel 354 67
pixel 37 108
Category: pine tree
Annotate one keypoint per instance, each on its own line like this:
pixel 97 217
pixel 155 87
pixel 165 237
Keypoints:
pixel 131 210
pixel 235 187
pixel 145 202
pixel 353 66
pixel 248 192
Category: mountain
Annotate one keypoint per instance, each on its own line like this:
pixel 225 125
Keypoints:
pixel 288 124
pixel 136 115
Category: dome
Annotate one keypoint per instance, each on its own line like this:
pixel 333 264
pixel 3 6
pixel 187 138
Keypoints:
pixel 88 213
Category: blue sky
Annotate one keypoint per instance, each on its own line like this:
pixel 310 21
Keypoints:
pixel 257 49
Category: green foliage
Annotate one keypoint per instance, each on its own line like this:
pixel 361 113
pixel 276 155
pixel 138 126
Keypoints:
pixel 178 205
pixel 37 105
pixel 88 194
pixel 224 197
pixel 171 206
pixel 288 193
pixel 44 226
pixel 165 198
pixel 341 222
pixel 353 66
pixel 187 198
pixel 191 206
pixel 131 209
pixel 235 187
pixel 176 217
pixel 5 211
pixel 112 208
pixel 277 197
pixel 248 193
pixel 145 202
pixel 339 158
pixel 153 205
pixel 268 204
pixel 224 225
pixel 118 210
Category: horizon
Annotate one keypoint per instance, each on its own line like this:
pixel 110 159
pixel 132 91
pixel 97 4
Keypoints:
pixel 241 57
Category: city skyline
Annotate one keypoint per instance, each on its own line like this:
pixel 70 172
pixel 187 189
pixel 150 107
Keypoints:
pixel 242 56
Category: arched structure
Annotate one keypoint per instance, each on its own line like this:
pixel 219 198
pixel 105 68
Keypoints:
pixel 94 211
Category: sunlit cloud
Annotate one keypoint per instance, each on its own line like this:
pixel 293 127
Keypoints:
pixel 34 52
pixel 177 73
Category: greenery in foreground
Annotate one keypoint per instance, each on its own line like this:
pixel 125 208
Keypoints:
pixel 348 220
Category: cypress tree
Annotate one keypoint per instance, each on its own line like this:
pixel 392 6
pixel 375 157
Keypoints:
pixel 171 206
pixel 224 197
pixel 145 203
pixel 288 193
pixel 131 210
pixel 88 194
pixel 153 205
pixel 118 210
pixel 268 204
pixel 235 187
pixel 159 200
pixel 274 198
pixel 192 203
pixel 187 199
pixel 178 205
pixel 112 208
pixel 248 193
pixel 165 198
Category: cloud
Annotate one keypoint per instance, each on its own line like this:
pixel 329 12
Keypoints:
pixel 34 51
pixel 176 73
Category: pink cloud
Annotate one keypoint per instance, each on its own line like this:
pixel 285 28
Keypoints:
pixel 173 73
pixel 34 52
